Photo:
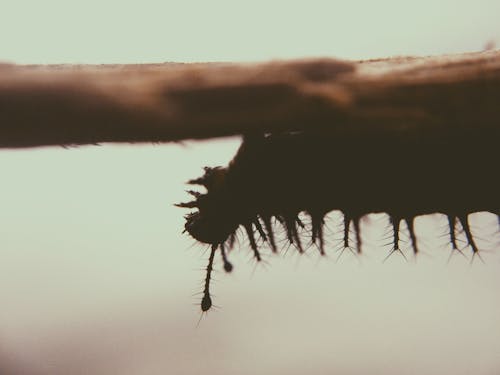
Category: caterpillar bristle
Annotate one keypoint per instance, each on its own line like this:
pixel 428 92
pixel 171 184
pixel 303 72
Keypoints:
pixel 192 204
pixel 410 224
pixel 195 194
pixel 357 232
pixel 232 239
pixel 395 222
pixel 299 190
pixel 299 222
pixel 270 233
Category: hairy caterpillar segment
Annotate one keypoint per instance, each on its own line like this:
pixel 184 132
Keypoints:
pixel 400 173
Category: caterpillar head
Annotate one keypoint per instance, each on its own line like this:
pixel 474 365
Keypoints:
pixel 213 221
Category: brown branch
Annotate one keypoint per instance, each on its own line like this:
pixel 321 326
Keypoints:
pixel 85 104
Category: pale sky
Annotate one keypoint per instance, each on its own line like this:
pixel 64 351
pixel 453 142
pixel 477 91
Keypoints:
pixel 96 277
pixel 54 31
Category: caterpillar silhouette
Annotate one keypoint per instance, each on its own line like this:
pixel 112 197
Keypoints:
pixel 400 173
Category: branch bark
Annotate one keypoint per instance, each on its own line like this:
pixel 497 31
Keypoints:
pixel 86 104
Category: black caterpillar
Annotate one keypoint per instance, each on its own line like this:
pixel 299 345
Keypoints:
pixel 401 173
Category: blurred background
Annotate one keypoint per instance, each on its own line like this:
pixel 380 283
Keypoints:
pixel 96 277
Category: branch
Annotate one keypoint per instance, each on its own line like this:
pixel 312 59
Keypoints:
pixel 86 104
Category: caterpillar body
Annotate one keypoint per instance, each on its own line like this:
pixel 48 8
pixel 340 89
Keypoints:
pixel 275 177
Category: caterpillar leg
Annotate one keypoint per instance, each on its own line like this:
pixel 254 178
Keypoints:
pixel 270 233
pixel 452 224
pixel 228 267
pixel 317 222
pixel 206 301
pixel 453 236
pixel 357 230
pixel 251 238
pixel 346 240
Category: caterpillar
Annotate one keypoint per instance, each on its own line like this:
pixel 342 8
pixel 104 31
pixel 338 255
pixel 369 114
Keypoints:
pixel 405 174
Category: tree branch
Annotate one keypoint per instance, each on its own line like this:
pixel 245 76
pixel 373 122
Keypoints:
pixel 85 104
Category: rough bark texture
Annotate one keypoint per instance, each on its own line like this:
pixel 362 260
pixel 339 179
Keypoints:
pixel 85 104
